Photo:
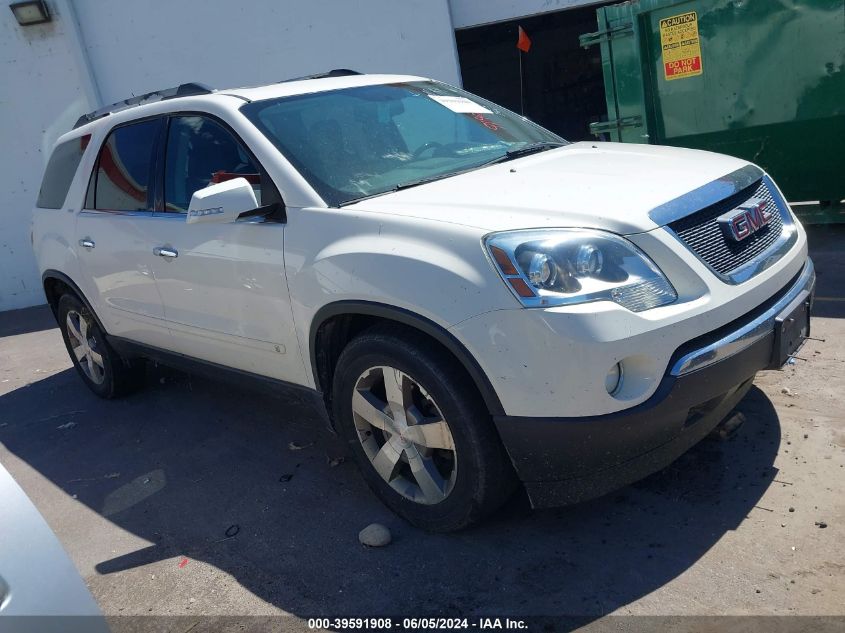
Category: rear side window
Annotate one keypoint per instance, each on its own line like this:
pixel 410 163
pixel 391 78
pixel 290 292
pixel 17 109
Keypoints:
pixel 60 172
pixel 124 168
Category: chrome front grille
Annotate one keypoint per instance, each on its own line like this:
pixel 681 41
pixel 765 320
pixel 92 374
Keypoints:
pixel 703 235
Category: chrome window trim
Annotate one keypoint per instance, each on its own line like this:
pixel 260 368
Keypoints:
pixel 769 257
pixel 748 334
pixel 706 195
pixel 138 213
pixel 163 215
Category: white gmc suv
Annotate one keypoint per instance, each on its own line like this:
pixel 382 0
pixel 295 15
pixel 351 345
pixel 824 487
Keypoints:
pixel 473 301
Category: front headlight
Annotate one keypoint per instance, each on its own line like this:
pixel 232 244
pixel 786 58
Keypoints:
pixel 552 267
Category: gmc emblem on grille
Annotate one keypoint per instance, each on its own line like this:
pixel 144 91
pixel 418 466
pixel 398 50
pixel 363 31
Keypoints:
pixel 748 218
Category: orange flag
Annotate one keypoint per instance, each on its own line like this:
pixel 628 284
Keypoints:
pixel 524 42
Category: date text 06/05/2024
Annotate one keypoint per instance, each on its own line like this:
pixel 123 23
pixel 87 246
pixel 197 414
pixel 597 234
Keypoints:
pixel 410 624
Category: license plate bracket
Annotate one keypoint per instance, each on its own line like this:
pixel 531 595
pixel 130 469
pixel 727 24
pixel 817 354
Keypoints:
pixel 792 327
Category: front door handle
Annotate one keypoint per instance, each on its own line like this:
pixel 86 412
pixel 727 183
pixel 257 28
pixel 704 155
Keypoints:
pixel 166 251
pixel 86 242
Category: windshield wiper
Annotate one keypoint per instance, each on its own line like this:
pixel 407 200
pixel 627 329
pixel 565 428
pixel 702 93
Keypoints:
pixel 532 148
pixel 422 181
pixel 400 186
pixel 525 150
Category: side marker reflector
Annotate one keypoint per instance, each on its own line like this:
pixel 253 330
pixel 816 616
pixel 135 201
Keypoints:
pixel 522 288
pixel 504 262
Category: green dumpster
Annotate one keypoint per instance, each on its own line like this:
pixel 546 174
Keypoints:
pixel 763 80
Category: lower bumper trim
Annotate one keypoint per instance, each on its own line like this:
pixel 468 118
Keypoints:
pixel 727 344
pixel 590 486
pixel 566 460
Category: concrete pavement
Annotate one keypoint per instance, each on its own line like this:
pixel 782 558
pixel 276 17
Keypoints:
pixel 187 499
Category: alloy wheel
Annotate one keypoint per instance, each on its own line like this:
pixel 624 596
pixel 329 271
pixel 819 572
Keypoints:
pixel 83 346
pixel 404 435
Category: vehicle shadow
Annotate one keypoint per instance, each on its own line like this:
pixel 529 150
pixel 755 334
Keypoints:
pixel 244 482
pixel 26 320
pixel 825 241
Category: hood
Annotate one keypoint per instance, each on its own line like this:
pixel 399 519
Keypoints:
pixel 610 186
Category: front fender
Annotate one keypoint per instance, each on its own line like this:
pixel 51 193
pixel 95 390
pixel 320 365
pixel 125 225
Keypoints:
pixel 435 270
pixel 405 317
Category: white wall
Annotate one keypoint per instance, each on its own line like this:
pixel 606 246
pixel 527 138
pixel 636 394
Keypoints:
pixel 41 95
pixel 467 13
pixel 149 44
pixel 139 46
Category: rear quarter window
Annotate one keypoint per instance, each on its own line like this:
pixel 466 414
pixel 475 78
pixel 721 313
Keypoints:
pixel 60 172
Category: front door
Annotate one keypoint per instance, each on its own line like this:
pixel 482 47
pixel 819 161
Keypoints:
pixel 223 286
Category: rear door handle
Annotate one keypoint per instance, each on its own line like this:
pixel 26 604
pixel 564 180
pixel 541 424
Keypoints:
pixel 86 242
pixel 166 251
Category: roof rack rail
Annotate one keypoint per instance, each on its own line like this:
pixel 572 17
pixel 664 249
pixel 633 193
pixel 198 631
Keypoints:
pixel 182 90
pixel 336 72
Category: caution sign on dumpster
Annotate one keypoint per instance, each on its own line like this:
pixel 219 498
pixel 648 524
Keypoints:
pixel 681 46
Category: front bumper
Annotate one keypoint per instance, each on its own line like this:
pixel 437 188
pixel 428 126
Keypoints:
pixel 566 460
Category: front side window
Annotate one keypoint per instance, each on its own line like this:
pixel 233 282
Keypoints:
pixel 124 168
pixel 357 142
pixel 201 152
pixel 60 172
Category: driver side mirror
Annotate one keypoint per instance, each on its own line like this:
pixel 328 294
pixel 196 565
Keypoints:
pixel 225 202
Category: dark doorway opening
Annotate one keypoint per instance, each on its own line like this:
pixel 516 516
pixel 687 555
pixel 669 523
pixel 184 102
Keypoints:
pixel 563 88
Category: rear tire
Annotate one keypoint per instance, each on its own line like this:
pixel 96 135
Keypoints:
pixel 435 458
pixel 102 369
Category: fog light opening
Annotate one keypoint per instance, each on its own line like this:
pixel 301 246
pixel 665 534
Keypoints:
pixel 613 380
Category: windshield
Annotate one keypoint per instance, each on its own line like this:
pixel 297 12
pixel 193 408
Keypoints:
pixel 359 142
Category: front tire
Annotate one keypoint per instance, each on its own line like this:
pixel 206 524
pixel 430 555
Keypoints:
pixel 419 430
pixel 102 369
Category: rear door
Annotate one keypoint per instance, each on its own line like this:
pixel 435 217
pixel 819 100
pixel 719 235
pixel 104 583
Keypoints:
pixel 113 238
pixel 223 286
